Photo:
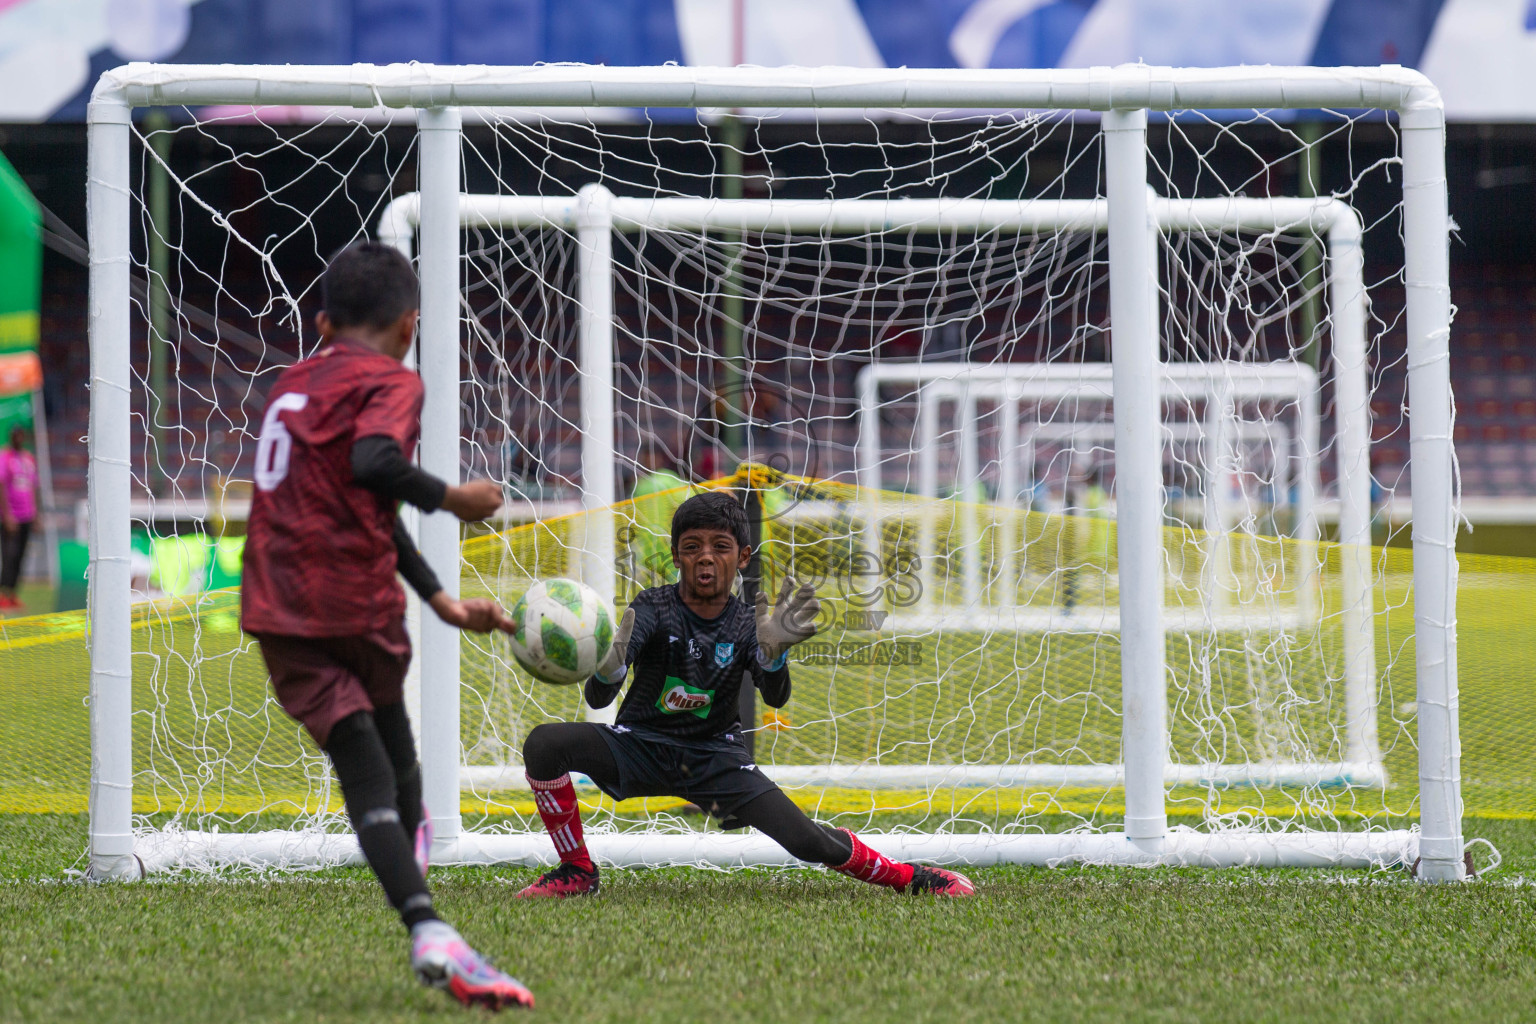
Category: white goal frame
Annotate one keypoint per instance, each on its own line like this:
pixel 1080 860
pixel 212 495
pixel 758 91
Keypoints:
pixel 1124 95
pixel 1220 385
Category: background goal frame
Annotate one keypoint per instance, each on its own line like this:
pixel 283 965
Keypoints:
pixel 595 212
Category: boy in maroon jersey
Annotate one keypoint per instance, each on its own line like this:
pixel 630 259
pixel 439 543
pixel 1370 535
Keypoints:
pixel 319 592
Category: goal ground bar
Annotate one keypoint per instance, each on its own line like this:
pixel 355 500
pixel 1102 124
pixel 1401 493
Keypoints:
pixel 172 850
pixel 491 778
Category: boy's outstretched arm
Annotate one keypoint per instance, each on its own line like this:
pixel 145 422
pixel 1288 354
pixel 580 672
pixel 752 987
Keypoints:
pixel 599 694
pixel 634 632
pixel 773 684
pixel 379 465
pixel 605 684
pixel 779 628
pixel 414 568
pixel 477 614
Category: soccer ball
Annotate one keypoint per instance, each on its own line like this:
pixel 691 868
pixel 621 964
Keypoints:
pixel 561 630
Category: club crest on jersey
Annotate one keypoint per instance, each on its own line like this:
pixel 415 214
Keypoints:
pixel 723 653
pixel 678 698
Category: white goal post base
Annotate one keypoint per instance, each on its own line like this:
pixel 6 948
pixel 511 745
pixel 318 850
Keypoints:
pixel 1367 774
pixel 170 851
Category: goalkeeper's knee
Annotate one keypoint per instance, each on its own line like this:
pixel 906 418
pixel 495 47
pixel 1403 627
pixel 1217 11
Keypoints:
pixel 541 754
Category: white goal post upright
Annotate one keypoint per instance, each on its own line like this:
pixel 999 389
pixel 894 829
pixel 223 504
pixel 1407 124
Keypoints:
pixel 1427 277
pixel 439 132
pixel 1138 475
pixel 1124 94
pixel 599 456
pixel 111 488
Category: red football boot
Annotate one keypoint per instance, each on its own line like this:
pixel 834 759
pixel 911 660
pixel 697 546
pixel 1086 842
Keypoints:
pixel 565 880
pixel 940 882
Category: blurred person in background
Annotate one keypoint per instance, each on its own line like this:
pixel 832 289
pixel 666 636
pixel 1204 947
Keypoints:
pixel 1089 526
pixel 18 511
pixel 650 542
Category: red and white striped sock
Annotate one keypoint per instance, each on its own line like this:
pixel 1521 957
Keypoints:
pixel 556 801
pixel 875 868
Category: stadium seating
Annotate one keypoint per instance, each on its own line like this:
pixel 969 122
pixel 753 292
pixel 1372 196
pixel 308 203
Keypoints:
pixel 1493 369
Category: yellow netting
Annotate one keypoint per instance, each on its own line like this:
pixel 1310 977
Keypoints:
pixel 955 688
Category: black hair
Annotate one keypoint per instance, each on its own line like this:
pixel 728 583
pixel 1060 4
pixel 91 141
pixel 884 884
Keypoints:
pixel 368 284
pixel 712 510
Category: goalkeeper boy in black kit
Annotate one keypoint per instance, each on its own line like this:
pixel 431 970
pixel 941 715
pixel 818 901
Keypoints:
pixel 678 733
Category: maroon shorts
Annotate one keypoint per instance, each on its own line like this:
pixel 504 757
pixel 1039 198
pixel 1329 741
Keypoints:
pixel 321 680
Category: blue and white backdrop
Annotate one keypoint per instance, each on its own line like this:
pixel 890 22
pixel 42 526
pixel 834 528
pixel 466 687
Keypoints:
pixel 1482 53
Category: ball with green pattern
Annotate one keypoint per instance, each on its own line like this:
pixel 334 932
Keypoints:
pixel 561 630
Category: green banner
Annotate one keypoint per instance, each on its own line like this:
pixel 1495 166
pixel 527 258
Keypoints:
pixel 21 270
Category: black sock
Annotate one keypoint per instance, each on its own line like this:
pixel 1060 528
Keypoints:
pixel 395 732
pixel 393 860
pixel 408 799
pixel 776 816
pixel 368 784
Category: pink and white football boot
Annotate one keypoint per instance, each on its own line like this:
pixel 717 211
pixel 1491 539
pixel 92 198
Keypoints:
pixel 424 841
pixel 442 959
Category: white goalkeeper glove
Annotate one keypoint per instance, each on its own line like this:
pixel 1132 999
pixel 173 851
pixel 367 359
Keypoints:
pixel 790 621
pixel 612 668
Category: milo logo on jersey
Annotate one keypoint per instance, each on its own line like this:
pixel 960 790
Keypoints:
pixel 678 698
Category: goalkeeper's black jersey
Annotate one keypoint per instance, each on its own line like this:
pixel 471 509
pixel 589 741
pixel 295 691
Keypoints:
pixel 686 671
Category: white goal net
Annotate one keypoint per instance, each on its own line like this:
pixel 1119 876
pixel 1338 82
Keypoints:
pixel 1071 423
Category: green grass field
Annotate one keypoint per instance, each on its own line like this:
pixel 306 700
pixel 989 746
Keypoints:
pixel 687 945
pixel 680 945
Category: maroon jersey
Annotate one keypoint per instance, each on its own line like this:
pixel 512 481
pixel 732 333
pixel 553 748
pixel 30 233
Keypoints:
pixel 319 552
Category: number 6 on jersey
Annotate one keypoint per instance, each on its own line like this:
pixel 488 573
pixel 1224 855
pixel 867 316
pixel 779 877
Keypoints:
pixel 276 444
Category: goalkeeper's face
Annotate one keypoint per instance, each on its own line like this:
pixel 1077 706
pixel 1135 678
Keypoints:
pixel 708 561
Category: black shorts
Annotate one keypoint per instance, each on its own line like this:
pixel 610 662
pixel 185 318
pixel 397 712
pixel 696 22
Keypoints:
pixel 719 776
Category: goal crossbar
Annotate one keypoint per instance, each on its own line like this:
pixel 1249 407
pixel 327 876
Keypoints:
pixel 1126 87
pixel 1123 94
